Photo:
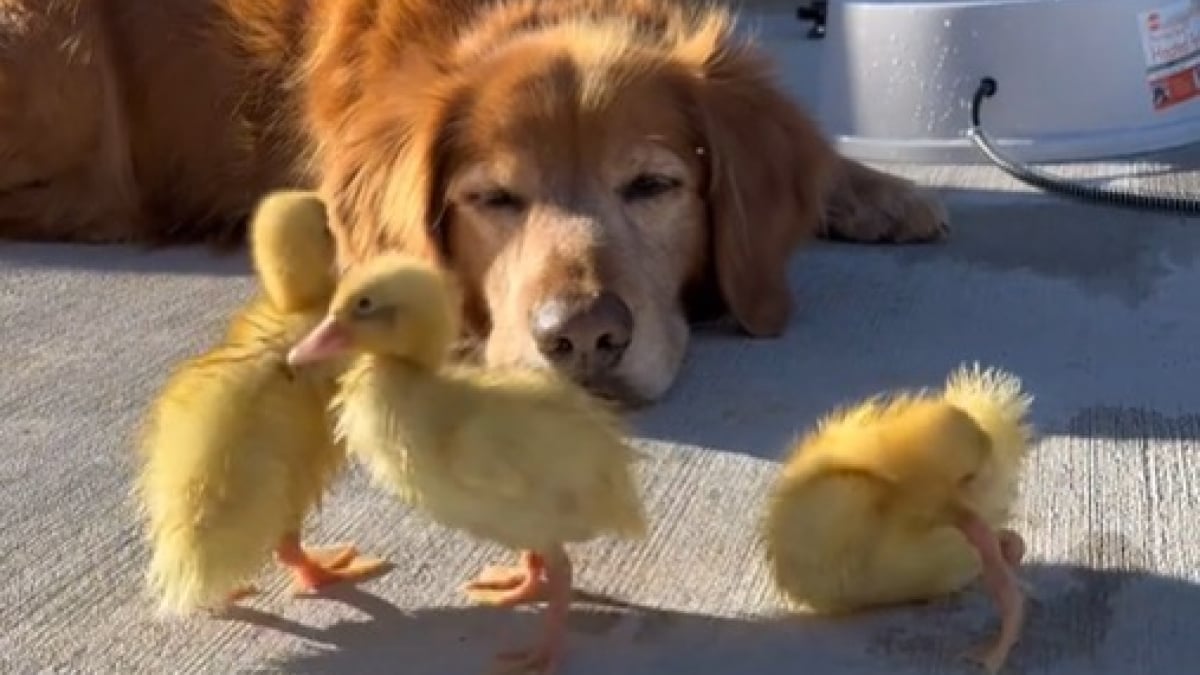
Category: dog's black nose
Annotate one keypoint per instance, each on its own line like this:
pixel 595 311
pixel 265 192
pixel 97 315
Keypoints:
pixel 584 336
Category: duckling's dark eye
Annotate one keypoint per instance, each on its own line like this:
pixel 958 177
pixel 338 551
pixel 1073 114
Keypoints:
pixel 363 306
pixel 645 186
pixel 498 199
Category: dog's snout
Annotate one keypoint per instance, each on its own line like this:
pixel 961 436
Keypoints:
pixel 585 336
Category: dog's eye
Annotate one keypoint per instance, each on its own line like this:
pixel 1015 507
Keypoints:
pixel 498 199
pixel 647 186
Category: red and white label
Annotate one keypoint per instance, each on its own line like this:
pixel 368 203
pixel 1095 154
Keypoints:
pixel 1171 44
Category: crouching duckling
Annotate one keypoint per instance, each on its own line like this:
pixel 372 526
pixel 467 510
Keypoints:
pixel 906 498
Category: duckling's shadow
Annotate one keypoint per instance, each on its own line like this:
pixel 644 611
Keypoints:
pixel 458 639
pixel 1081 620
pixel 606 635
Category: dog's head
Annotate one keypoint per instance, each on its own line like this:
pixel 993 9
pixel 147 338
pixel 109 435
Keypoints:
pixel 587 177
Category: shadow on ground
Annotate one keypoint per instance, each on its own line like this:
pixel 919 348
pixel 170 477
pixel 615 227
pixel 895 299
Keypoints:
pixel 1073 610
pixel 1092 307
pixel 181 260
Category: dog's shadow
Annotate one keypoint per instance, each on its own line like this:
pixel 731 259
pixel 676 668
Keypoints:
pixel 195 260
pixel 1080 620
pixel 1087 306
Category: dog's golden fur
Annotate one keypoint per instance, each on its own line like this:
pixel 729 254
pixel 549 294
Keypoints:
pixel 542 150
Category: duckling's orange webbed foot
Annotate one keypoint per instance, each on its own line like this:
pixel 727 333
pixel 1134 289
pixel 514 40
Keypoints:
pixel 510 586
pixel 545 656
pixel 313 568
pixel 999 555
pixel 241 594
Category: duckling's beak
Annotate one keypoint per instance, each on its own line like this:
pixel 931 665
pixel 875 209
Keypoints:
pixel 329 339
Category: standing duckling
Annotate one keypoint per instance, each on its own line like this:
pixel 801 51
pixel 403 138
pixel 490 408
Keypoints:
pixel 237 449
pixel 901 498
pixel 521 458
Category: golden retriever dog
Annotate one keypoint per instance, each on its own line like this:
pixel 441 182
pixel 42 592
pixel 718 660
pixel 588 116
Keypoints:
pixel 597 172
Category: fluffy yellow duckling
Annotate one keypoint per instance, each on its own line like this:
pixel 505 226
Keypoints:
pixel 521 458
pixel 899 499
pixel 237 449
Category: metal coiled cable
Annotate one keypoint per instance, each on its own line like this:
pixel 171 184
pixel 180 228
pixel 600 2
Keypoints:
pixel 1040 179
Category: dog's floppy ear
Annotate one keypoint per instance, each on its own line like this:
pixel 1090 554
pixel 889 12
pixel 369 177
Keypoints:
pixel 384 175
pixel 767 171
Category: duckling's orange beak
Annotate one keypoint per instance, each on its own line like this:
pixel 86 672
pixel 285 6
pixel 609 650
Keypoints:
pixel 329 339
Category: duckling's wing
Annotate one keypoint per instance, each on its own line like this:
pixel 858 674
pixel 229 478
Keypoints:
pixel 551 461
pixel 486 464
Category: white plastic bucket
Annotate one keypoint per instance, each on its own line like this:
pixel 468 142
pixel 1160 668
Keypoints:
pixel 1078 79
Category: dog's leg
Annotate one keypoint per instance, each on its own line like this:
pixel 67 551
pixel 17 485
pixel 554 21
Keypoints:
pixel 867 205
pixel 65 169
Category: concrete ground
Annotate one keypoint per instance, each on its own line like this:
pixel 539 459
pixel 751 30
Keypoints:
pixel 1094 308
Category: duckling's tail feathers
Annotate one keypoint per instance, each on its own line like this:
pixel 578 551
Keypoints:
pixel 995 400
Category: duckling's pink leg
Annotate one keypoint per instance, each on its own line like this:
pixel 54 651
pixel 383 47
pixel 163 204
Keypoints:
pixel 509 586
pixel 999 556
pixel 313 568
pixel 545 656
pixel 1012 547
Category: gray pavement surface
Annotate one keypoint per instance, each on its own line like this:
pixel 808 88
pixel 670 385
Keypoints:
pixel 1094 308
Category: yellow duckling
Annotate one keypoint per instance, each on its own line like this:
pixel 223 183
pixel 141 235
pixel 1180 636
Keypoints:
pixel 899 499
pixel 237 449
pixel 521 458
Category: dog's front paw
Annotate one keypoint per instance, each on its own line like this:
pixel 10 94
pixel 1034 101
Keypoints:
pixel 872 206
pixel 909 214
